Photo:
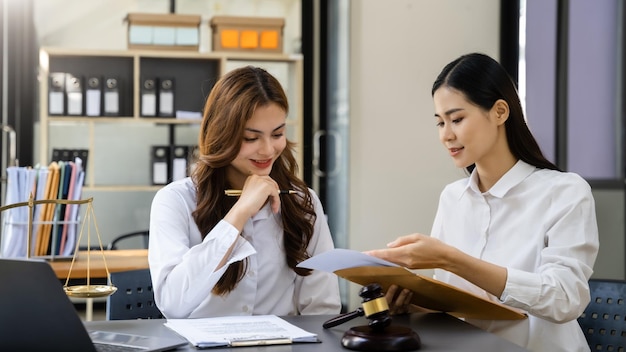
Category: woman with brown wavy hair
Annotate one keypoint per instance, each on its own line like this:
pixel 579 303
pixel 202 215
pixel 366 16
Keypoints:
pixel 212 254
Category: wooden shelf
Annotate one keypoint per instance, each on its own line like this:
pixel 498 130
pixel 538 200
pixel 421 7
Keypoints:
pixel 121 188
pixel 123 119
pixel 120 146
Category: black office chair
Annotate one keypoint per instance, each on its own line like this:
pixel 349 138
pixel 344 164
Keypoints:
pixel 604 319
pixel 134 298
pixel 142 235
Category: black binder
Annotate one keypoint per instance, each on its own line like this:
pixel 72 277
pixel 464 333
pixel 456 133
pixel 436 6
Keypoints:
pixel 166 97
pixel 111 96
pixel 74 94
pixel 82 154
pixel 180 160
pixel 93 96
pixel 71 155
pixel 149 97
pixel 160 161
pixel 61 155
pixel 56 93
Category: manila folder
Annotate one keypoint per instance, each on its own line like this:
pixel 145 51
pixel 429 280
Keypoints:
pixel 430 293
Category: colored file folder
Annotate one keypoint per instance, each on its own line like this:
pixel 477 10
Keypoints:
pixel 53 224
pixel 43 230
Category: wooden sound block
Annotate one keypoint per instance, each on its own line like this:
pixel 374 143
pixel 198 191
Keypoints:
pixel 392 338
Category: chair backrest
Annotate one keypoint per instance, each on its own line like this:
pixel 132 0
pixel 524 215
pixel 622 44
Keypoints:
pixel 604 319
pixel 142 235
pixel 134 298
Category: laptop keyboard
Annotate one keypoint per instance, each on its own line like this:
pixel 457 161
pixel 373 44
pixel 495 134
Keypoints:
pixel 103 347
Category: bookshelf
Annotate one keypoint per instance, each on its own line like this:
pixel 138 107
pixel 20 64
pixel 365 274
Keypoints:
pixel 119 146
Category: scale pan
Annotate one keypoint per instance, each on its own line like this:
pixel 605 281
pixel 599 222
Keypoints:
pixel 89 291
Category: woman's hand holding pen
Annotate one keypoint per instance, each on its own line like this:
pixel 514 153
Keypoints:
pixel 255 192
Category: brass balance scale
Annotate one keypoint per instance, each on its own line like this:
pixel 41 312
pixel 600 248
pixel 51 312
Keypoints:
pixel 78 291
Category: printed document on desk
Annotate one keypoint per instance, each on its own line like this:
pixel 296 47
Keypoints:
pixel 235 331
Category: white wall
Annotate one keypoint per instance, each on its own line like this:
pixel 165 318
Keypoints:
pixel 397 165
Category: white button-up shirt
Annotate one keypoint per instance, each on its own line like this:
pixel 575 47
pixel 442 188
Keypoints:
pixel 183 266
pixel 541 225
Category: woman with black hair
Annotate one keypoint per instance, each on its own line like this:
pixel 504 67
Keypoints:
pixel 517 230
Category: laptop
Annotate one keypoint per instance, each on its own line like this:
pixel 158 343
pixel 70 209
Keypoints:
pixel 37 315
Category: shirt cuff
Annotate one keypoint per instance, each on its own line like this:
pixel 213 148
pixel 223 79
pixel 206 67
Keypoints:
pixel 522 289
pixel 225 234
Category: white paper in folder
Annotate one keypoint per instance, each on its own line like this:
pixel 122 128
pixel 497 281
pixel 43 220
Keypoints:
pixel 340 258
pixel 250 330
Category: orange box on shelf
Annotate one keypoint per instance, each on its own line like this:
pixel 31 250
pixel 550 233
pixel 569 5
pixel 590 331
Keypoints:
pixel 261 34
pixel 163 31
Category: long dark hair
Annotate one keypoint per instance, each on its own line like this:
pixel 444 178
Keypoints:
pixel 230 105
pixel 483 81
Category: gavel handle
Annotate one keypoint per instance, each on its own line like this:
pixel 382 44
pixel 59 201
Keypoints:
pixel 340 319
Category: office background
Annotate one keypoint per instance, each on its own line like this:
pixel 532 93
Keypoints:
pixel 388 163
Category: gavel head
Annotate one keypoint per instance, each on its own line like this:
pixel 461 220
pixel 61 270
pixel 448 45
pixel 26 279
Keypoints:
pixel 375 306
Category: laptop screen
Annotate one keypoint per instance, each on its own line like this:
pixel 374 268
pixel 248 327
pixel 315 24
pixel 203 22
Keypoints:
pixel 35 313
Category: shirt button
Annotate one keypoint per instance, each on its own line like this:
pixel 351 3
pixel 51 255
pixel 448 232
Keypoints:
pixel 244 309
pixel 251 273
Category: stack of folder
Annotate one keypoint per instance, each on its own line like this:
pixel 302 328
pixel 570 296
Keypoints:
pixel 54 226
pixel 172 162
pixel 73 94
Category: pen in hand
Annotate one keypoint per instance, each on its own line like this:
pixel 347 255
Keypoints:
pixel 237 192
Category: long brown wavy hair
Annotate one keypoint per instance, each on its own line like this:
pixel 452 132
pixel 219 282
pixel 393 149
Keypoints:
pixel 230 105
